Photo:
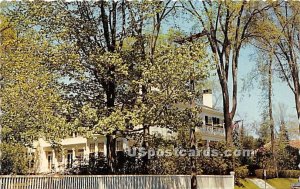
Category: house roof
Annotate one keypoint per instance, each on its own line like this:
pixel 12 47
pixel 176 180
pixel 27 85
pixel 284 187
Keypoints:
pixel 212 110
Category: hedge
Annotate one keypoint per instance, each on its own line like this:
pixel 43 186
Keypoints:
pixel 271 173
pixel 289 173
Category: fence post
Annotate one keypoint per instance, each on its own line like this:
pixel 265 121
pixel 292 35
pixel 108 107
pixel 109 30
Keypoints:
pixel 233 179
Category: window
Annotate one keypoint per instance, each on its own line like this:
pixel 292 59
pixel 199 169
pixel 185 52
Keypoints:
pixel 101 149
pixel 216 121
pixel 49 157
pixel 31 164
pixel 92 151
pixel 119 145
pixel 80 154
pixel 31 156
pixel 210 121
pixel 69 158
pixel 206 120
pixel 92 148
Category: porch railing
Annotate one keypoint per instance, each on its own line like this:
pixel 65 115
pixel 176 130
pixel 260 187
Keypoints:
pixel 215 130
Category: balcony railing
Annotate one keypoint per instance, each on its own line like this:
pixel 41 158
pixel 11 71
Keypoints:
pixel 215 130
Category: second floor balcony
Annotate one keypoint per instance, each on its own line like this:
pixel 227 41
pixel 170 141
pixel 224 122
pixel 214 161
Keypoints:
pixel 213 129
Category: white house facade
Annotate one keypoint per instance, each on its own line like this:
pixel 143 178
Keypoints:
pixel 77 148
pixel 212 127
pixel 73 150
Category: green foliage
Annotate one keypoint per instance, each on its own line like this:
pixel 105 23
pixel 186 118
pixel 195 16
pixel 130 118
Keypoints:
pixel 271 173
pixel 30 97
pixel 287 157
pixel 218 165
pixel 264 132
pixel 289 173
pixel 70 73
pixel 31 102
pixel 14 159
pixel 170 166
pixel 114 77
pixel 241 172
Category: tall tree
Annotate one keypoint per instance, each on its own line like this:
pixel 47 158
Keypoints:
pixel 282 23
pixel 87 49
pixel 119 75
pixel 31 103
pixel 227 26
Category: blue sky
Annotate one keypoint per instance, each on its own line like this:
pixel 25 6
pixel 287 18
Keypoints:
pixel 249 105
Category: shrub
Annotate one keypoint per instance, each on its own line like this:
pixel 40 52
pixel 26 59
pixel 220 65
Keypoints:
pixel 289 173
pixel 271 173
pixel 14 159
pixel 241 172
pixel 217 165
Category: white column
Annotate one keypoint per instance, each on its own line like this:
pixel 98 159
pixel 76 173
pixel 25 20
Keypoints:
pixel 54 160
pixel 43 161
pixel 73 154
pixel 213 132
pixel 63 161
pixel 124 141
pixel 105 146
pixel 87 151
pixel 96 148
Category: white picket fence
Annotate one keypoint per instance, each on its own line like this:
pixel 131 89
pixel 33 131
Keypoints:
pixel 116 182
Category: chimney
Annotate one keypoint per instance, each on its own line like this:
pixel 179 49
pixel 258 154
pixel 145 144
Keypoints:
pixel 207 98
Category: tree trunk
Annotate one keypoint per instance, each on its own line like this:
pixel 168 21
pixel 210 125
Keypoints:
pixel 227 117
pixel 270 86
pixel 110 85
pixel 228 131
pixel 146 132
pixel 1 78
pixel 111 141
pixel 297 101
pixel 111 155
pixel 193 138
pixel 193 159
pixel 145 145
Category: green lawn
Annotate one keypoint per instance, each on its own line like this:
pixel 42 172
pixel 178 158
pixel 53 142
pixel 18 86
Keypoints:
pixel 247 185
pixel 282 183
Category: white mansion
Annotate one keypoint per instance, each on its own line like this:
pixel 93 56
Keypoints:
pixel 78 147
